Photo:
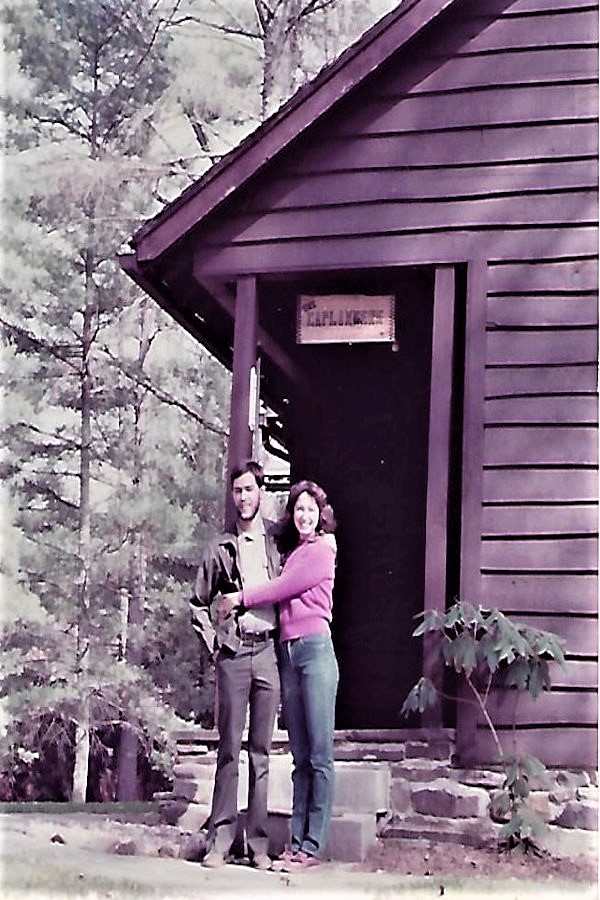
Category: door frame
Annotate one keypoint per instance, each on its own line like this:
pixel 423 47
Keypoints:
pixel 440 449
pixel 439 440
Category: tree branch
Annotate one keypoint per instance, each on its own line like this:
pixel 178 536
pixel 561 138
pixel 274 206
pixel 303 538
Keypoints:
pixel 39 344
pixel 237 30
pixel 164 396
pixel 45 489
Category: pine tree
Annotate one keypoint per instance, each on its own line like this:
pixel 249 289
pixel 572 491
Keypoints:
pixel 89 76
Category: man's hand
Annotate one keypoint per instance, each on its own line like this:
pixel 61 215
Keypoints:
pixel 224 605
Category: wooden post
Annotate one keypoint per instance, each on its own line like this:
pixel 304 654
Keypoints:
pixel 472 476
pixel 437 473
pixel 244 358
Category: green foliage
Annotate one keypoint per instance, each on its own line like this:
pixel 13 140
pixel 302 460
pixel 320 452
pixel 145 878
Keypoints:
pixel 524 826
pixel 486 647
pixel 423 695
pixel 481 643
pixel 88 545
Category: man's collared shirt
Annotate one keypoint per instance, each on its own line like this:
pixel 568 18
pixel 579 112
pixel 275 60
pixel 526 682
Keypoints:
pixel 252 556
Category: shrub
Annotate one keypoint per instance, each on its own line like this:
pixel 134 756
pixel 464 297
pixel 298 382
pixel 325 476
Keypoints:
pixel 486 648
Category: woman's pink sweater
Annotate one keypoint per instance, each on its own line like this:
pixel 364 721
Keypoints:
pixel 303 590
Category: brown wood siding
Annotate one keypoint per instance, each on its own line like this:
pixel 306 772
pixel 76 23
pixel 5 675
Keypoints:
pixel 466 148
pixel 485 150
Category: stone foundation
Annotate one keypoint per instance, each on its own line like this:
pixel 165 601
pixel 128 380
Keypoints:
pixel 393 788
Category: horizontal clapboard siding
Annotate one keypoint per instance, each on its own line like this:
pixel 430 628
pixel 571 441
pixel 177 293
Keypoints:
pixel 540 521
pixel 394 217
pixel 327 189
pixel 562 747
pixel 534 446
pixel 521 104
pixel 541 593
pixel 473 147
pixel 556 485
pixel 562 409
pixel 574 674
pixel 580 634
pixel 318 253
pixel 545 278
pixel 558 346
pixel 501 381
pixel 559 708
pixel 562 554
pixel 538 310
pixel 560 726
pixel 513 67
pixel 499 151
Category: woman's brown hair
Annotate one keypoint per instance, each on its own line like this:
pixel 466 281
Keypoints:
pixel 288 537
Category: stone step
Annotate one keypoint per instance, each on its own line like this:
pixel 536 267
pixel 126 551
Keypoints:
pixel 361 787
pixel 198 734
pixel 351 837
pixel 465 832
pixel 419 770
pixel 444 798
pixel 369 752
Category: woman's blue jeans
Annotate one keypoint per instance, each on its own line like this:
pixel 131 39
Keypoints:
pixel 309 680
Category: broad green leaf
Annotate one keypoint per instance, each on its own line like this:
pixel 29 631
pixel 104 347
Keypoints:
pixel 464 653
pixel 422 696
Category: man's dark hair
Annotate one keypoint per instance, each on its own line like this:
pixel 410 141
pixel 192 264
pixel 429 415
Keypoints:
pixel 251 466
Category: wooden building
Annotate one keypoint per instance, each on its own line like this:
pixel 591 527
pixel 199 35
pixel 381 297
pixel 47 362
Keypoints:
pixel 448 161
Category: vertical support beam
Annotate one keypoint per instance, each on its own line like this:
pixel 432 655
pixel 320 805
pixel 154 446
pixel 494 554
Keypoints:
pixel 254 408
pixel 472 472
pixel 436 531
pixel 473 419
pixel 244 357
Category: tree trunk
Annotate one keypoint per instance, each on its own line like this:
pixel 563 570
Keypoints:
pixel 128 783
pixel 82 736
pixel 82 753
pixel 281 54
pixel 127 774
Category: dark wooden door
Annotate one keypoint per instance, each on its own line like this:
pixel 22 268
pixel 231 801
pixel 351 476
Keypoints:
pixel 361 429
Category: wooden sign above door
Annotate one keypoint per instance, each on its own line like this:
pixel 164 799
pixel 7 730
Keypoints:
pixel 345 318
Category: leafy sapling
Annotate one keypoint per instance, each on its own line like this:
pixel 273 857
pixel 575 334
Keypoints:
pixel 486 647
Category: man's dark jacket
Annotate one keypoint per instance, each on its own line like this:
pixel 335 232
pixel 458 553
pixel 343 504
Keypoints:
pixel 219 573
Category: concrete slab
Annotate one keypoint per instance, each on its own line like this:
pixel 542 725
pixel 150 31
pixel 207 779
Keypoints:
pixel 362 787
pixel 351 837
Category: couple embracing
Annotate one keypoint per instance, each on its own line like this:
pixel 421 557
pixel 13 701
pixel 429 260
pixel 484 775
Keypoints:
pixel 263 603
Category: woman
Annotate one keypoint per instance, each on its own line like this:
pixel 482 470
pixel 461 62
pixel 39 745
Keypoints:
pixel 309 669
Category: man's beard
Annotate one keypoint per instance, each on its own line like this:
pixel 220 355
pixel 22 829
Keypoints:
pixel 248 518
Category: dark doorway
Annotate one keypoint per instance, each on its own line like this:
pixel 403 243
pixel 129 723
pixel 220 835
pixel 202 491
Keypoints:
pixel 360 428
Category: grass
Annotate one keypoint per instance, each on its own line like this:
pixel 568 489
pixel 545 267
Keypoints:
pixel 21 879
pixel 54 808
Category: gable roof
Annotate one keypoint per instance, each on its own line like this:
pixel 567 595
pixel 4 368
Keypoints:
pixel 318 96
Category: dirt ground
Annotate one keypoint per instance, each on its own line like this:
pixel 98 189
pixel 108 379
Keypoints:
pixel 403 858
pixel 446 859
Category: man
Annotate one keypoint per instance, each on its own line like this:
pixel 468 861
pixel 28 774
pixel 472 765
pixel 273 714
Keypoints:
pixel 243 647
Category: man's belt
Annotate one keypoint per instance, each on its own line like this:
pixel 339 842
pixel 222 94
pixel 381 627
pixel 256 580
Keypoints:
pixel 249 638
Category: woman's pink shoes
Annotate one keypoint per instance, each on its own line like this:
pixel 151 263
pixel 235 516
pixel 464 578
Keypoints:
pixel 297 861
